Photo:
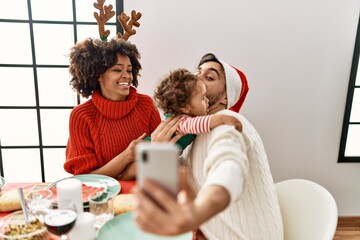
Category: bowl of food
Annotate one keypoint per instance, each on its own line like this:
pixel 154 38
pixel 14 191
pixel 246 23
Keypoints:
pixel 14 226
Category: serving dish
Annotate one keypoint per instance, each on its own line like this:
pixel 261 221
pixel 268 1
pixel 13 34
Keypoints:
pixel 16 221
pixel 91 181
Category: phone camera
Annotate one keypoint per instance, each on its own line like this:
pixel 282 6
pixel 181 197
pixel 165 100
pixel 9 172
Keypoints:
pixel 144 157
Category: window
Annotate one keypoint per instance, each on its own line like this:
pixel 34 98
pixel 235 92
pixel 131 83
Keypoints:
pixel 36 99
pixel 350 137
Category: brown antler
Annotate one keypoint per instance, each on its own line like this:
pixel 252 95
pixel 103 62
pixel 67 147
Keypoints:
pixel 106 13
pixel 123 19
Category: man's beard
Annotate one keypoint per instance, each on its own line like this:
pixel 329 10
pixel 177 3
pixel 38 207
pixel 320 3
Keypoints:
pixel 214 98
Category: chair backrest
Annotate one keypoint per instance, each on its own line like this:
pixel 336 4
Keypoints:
pixel 308 210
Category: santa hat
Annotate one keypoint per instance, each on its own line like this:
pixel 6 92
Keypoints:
pixel 236 87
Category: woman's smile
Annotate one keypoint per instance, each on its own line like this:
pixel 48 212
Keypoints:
pixel 124 84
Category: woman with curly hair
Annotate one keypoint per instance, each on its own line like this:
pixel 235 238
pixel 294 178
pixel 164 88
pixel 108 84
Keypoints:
pixel 105 129
pixel 183 93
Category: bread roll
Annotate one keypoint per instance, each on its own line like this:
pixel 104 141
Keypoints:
pixel 124 203
pixel 9 201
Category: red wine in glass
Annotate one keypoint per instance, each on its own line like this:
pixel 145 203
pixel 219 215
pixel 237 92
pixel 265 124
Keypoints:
pixel 60 221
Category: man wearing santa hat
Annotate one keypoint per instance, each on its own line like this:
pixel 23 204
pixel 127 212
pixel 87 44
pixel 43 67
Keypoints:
pixel 235 193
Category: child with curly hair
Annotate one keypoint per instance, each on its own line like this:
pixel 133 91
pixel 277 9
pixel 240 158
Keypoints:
pixel 183 93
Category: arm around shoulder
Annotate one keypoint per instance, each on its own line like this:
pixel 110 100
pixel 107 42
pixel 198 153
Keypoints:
pixel 220 119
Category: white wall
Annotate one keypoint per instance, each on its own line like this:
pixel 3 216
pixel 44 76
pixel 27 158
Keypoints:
pixel 297 57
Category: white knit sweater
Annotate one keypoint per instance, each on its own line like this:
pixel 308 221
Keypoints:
pixel 238 162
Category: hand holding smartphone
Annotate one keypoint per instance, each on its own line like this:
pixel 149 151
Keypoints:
pixel 158 162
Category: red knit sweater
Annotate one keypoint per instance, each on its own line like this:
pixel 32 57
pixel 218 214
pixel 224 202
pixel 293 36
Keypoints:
pixel 101 129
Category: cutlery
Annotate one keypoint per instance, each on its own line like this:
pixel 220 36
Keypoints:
pixel 23 205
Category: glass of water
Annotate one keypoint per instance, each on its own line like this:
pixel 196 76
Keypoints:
pixel 39 202
pixel 101 205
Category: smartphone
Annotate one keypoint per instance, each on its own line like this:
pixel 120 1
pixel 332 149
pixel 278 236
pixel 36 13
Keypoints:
pixel 158 162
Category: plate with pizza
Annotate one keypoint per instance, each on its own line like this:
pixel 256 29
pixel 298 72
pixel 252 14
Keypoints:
pixel 91 183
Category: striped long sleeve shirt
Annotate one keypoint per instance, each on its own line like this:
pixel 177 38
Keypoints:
pixel 194 125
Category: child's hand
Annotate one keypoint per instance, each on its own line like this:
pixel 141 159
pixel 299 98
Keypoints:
pixel 233 121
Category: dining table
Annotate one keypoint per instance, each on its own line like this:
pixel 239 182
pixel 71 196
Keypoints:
pixel 126 189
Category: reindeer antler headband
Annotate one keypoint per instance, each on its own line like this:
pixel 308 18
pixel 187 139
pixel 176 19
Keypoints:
pixel 104 15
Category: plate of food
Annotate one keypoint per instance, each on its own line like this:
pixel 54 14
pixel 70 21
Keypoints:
pixel 91 183
pixel 13 226
pixel 124 225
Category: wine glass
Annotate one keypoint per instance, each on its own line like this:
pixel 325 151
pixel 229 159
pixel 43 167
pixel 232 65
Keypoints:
pixel 60 221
